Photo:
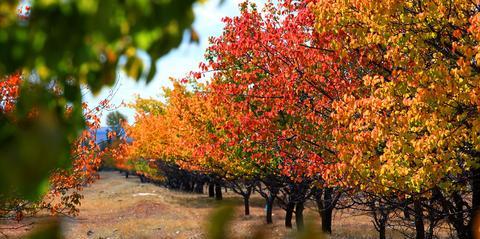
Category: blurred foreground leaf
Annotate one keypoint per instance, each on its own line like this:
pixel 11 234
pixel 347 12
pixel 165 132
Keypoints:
pixel 310 231
pixel 219 221
pixel 51 230
pixel 84 40
pixel 58 47
pixel 34 139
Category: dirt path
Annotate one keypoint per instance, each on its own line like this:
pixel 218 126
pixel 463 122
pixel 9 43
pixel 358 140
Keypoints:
pixel 116 207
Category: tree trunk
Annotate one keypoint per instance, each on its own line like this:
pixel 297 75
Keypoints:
pixel 186 185
pixel 299 215
pixel 289 214
pixel 475 212
pixel 199 187
pixel 269 206
pixel 325 208
pixel 382 232
pixel 476 189
pixel 246 200
pixel 211 190
pixel 455 219
pixel 191 183
pixel 327 211
pixel 419 226
pixel 126 174
pixel 327 220
pixel 380 217
pixel 246 203
pixel 432 222
pixel 406 212
pixel 218 192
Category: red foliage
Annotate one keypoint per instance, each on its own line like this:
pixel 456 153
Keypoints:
pixel 9 91
pixel 277 70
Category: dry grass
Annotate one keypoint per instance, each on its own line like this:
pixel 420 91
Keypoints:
pixel 115 207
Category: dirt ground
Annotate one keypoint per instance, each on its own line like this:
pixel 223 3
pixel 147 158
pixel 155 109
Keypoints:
pixel 116 207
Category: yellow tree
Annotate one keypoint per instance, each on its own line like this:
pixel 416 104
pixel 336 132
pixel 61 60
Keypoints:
pixel 177 131
pixel 414 126
pixel 191 130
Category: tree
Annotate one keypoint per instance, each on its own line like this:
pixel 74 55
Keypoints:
pixel 280 74
pixel 412 127
pixel 115 120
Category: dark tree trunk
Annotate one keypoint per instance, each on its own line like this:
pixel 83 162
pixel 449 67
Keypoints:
pixel 191 185
pixel 211 190
pixel 475 212
pixel 382 231
pixel 246 200
pixel 299 215
pixel 289 214
pixel 187 185
pixel 126 174
pixel 419 225
pixel 476 189
pixel 463 231
pixel 406 211
pixel 218 192
pixel 327 220
pixel 431 226
pixel 456 219
pixel 327 211
pixel 199 187
pixel 269 209
pixel 246 203
pixel 325 208
pixel 380 213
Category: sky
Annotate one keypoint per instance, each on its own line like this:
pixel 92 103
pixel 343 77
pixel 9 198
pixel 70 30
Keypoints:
pixel 177 63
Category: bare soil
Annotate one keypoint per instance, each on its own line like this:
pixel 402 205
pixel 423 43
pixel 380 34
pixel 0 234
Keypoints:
pixel 119 207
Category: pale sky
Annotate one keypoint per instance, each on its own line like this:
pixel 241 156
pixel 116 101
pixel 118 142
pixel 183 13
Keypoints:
pixel 179 62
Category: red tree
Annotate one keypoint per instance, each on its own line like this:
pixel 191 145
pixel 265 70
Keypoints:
pixel 281 74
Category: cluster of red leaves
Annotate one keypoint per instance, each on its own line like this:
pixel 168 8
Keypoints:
pixel 9 91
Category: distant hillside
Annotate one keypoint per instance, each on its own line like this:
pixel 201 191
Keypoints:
pixel 101 135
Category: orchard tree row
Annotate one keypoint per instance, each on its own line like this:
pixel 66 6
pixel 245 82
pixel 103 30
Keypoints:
pixel 371 105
